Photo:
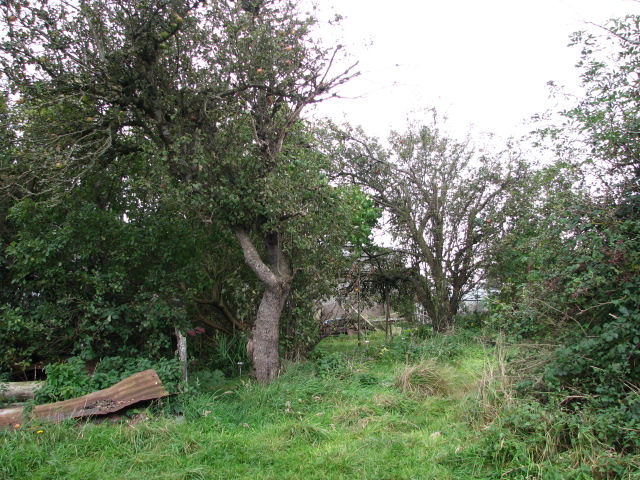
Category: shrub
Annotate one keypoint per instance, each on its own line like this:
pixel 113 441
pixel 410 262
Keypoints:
pixel 71 379
pixel 65 380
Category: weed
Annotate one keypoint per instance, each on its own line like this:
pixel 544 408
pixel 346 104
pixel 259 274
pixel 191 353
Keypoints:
pixel 331 364
pixel 64 381
pixel 306 432
pixel 71 379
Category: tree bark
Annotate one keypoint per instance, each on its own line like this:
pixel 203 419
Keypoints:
pixel 277 278
pixel 266 334
pixel 20 391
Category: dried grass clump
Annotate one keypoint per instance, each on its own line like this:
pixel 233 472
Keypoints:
pixel 506 366
pixel 425 379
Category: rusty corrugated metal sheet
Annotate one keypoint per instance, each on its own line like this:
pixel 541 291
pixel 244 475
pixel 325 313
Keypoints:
pixel 10 416
pixel 136 388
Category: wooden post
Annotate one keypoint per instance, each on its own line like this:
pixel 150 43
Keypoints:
pixel 182 353
pixel 358 310
pixel 387 312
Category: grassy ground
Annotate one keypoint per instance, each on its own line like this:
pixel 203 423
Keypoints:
pixel 388 410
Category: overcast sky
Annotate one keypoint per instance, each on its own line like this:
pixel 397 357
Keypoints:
pixel 484 63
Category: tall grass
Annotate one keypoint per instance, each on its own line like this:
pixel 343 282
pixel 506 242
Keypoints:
pixel 425 379
pixel 495 389
pixel 526 437
pixel 367 416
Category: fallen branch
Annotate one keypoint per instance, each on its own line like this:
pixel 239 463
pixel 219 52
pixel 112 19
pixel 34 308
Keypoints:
pixel 19 391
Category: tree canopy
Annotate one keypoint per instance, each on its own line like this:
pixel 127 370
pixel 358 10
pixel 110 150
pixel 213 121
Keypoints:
pixel 445 203
pixel 186 107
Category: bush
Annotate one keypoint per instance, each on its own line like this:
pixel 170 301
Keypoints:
pixel 551 442
pixel 65 380
pixel 473 320
pixel 71 379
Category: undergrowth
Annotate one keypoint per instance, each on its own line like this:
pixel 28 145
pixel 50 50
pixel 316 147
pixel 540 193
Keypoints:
pixel 368 413
pixel 530 433
pixel 71 378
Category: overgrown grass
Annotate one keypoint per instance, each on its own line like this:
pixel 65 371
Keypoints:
pixel 349 414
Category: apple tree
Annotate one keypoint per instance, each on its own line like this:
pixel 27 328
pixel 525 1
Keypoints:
pixel 210 96
pixel 444 203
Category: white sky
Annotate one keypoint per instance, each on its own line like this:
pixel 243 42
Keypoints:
pixel 484 63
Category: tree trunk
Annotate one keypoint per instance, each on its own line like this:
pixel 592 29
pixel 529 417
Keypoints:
pixel 277 279
pixel 266 334
pixel 435 299
pixel 19 391
pixel 440 313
